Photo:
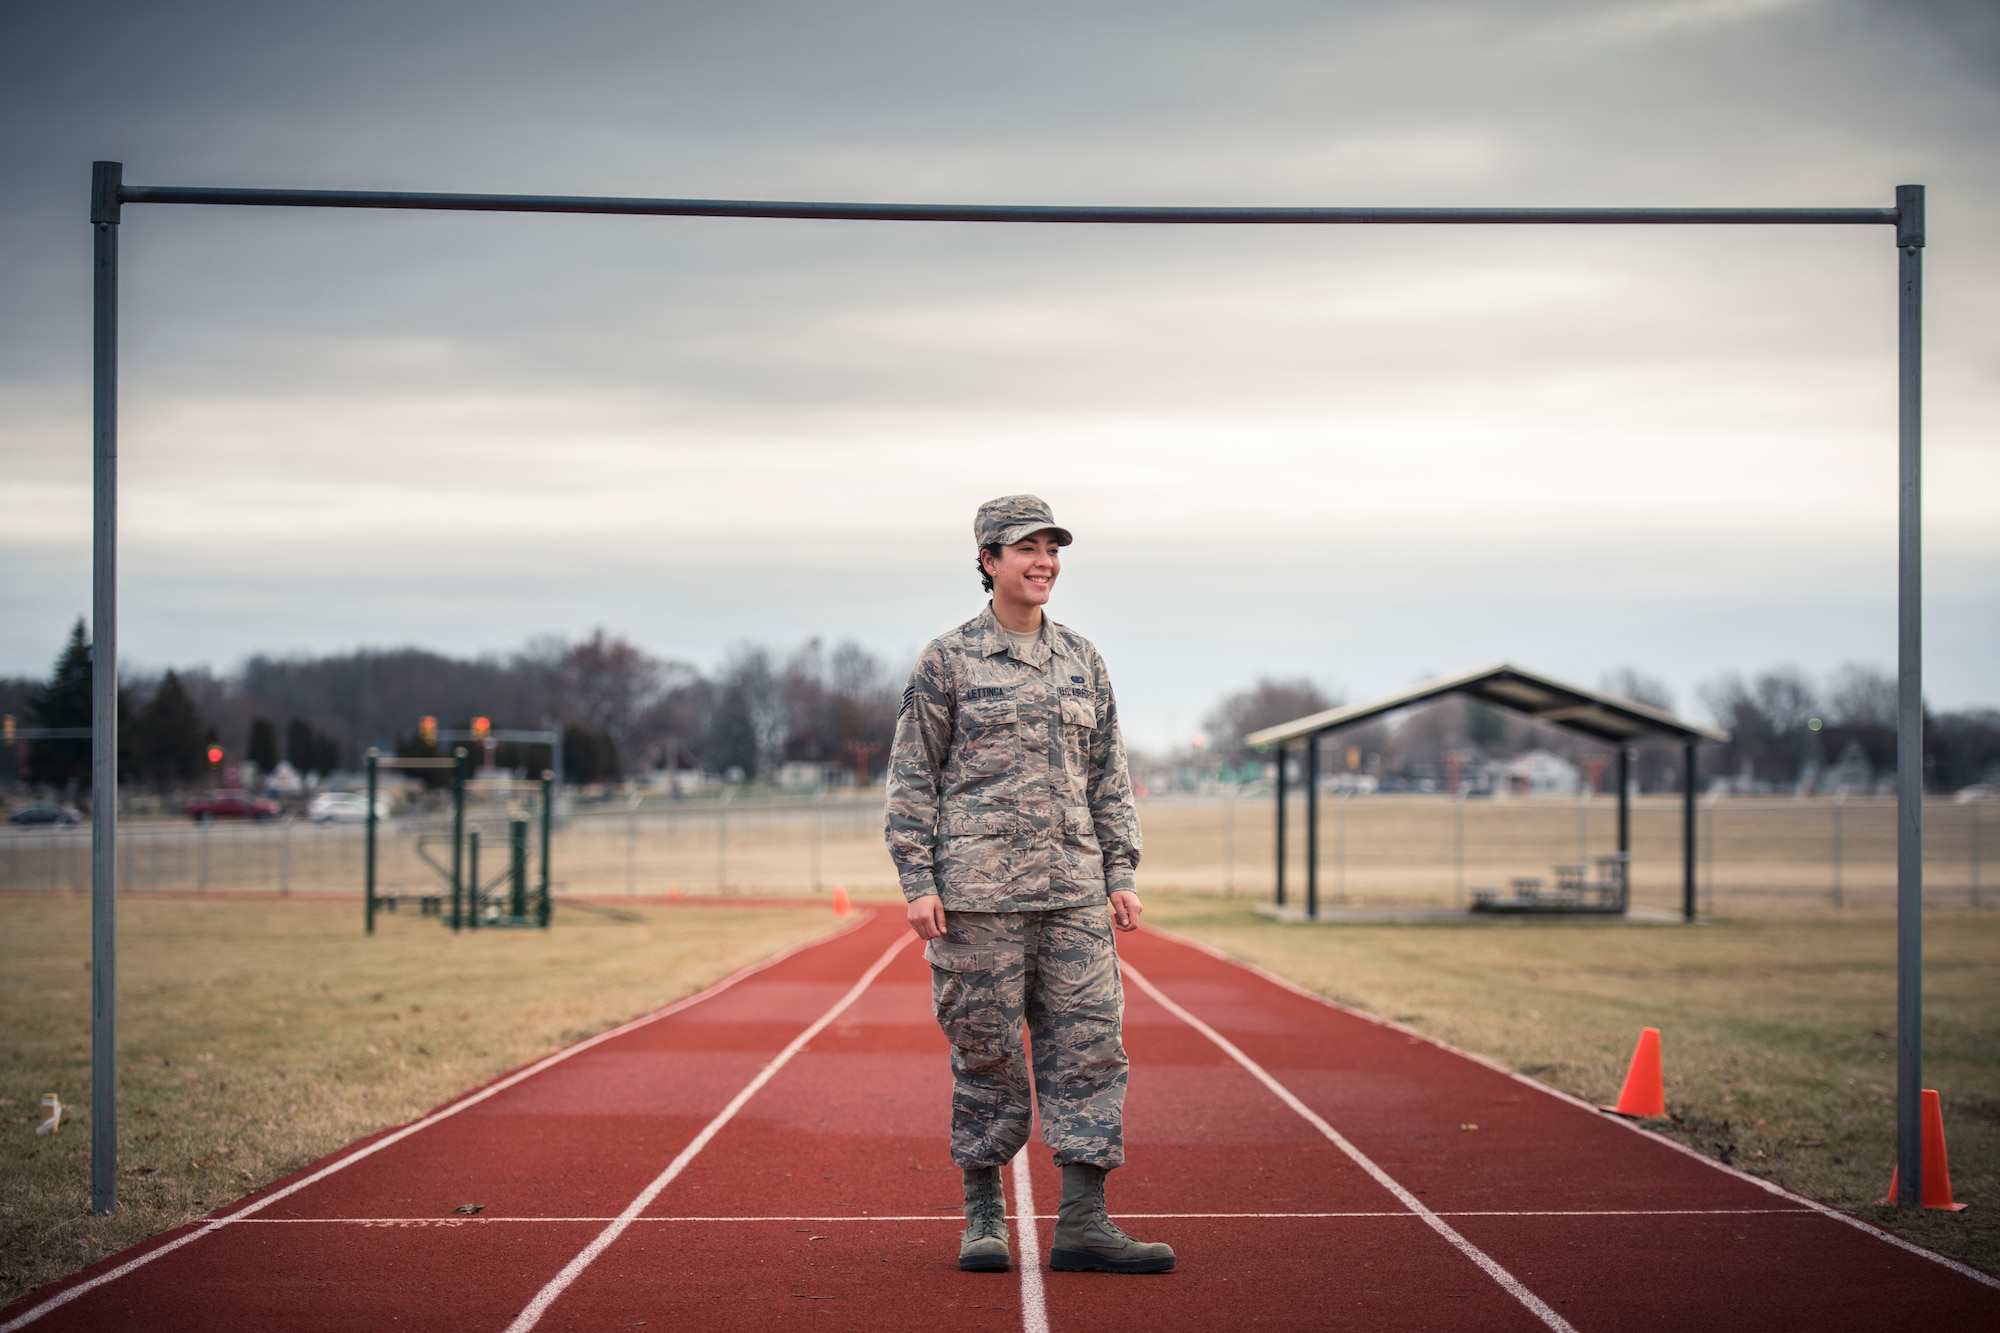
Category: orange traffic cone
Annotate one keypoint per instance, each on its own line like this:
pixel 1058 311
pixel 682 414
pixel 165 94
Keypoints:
pixel 1937 1171
pixel 840 907
pixel 1645 1092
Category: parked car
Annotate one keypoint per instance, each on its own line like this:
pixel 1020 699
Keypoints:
pixel 344 807
pixel 231 804
pixel 45 814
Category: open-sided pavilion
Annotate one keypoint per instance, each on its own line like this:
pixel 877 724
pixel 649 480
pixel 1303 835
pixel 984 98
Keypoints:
pixel 1619 723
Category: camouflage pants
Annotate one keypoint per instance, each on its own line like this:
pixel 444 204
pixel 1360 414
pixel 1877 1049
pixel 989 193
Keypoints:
pixel 1058 972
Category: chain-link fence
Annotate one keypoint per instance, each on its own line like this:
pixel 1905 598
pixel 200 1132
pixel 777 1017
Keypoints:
pixel 1436 849
pixel 1829 851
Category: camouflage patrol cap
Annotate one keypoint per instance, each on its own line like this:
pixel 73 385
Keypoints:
pixel 1004 521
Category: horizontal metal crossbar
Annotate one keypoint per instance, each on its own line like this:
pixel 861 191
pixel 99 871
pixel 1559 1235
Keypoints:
pixel 416 763
pixel 1044 213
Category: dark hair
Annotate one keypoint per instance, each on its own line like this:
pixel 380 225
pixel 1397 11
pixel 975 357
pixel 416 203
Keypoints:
pixel 985 579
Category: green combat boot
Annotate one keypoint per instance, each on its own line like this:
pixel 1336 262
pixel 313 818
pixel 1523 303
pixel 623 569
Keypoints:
pixel 982 1247
pixel 1086 1237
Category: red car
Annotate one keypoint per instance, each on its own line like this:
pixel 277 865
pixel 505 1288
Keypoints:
pixel 230 804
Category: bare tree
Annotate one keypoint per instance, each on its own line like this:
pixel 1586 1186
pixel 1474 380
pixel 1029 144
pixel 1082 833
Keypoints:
pixel 1770 722
pixel 1861 696
pixel 1265 704
pixel 606 684
pixel 1630 683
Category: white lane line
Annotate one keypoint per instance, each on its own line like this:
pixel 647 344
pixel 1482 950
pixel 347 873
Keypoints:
pixel 69 1294
pixel 1768 1186
pixel 1507 1280
pixel 1034 1305
pixel 572 1270
pixel 953 1216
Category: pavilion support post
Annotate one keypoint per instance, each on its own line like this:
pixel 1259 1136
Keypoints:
pixel 1687 830
pixel 1280 835
pixel 105 181
pixel 457 837
pixel 1312 827
pixel 368 852
pixel 1909 695
pixel 1625 827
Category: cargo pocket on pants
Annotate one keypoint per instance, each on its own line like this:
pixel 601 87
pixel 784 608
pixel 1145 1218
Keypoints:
pixel 961 992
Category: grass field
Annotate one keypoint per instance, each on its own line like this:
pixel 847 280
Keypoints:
pixel 259 1035
pixel 1777 1032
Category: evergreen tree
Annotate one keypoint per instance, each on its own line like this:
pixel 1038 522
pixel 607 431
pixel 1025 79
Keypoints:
pixel 589 756
pixel 173 738
pixel 311 751
pixel 263 744
pixel 63 702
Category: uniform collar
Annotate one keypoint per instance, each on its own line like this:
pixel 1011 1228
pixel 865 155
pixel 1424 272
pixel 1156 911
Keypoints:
pixel 990 640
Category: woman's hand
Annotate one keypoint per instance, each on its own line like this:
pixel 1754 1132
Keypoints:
pixel 926 916
pixel 1125 909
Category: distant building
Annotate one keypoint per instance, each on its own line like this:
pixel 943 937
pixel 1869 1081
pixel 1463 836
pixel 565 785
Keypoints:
pixel 1850 773
pixel 1543 773
pixel 809 775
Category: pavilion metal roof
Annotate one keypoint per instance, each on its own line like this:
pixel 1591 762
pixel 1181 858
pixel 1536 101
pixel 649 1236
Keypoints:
pixel 1602 717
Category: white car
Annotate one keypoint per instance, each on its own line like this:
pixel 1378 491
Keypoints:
pixel 345 807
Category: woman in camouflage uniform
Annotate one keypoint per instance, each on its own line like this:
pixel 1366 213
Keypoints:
pixel 1011 822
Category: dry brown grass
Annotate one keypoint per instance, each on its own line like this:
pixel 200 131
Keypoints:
pixel 1777 1031
pixel 259 1035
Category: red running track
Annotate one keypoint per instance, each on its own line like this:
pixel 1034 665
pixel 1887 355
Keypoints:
pixel 772 1151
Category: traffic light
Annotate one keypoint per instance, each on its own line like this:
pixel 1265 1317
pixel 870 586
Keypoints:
pixel 480 726
pixel 7 729
pixel 427 729
pixel 214 755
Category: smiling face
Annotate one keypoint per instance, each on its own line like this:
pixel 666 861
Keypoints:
pixel 1023 577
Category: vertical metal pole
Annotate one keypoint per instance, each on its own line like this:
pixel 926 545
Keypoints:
pixel 517 869
pixel 1839 847
pixel 1312 827
pixel 105 179
pixel 1687 831
pixel 632 845
pixel 457 835
pixel 1280 857
pixel 1708 844
pixel 548 804
pixel 1340 846
pixel 722 844
pixel 472 878
pixel 368 852
pixel 1229 848
pixel 1909 695
pixel 1978 805
pixel 1625 806
pixel 1458 847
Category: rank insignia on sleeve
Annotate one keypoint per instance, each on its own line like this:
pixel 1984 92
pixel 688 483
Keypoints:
pixel 909 696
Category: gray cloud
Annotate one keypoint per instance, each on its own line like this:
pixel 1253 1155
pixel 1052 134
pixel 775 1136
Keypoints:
pixel 1357 453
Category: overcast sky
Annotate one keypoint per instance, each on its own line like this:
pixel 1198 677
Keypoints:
pixel 1359 454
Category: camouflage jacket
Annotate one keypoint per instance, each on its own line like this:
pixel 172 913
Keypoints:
pixel 1007 782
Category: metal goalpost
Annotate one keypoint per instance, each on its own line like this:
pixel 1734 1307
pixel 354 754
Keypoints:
pixel 109 194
